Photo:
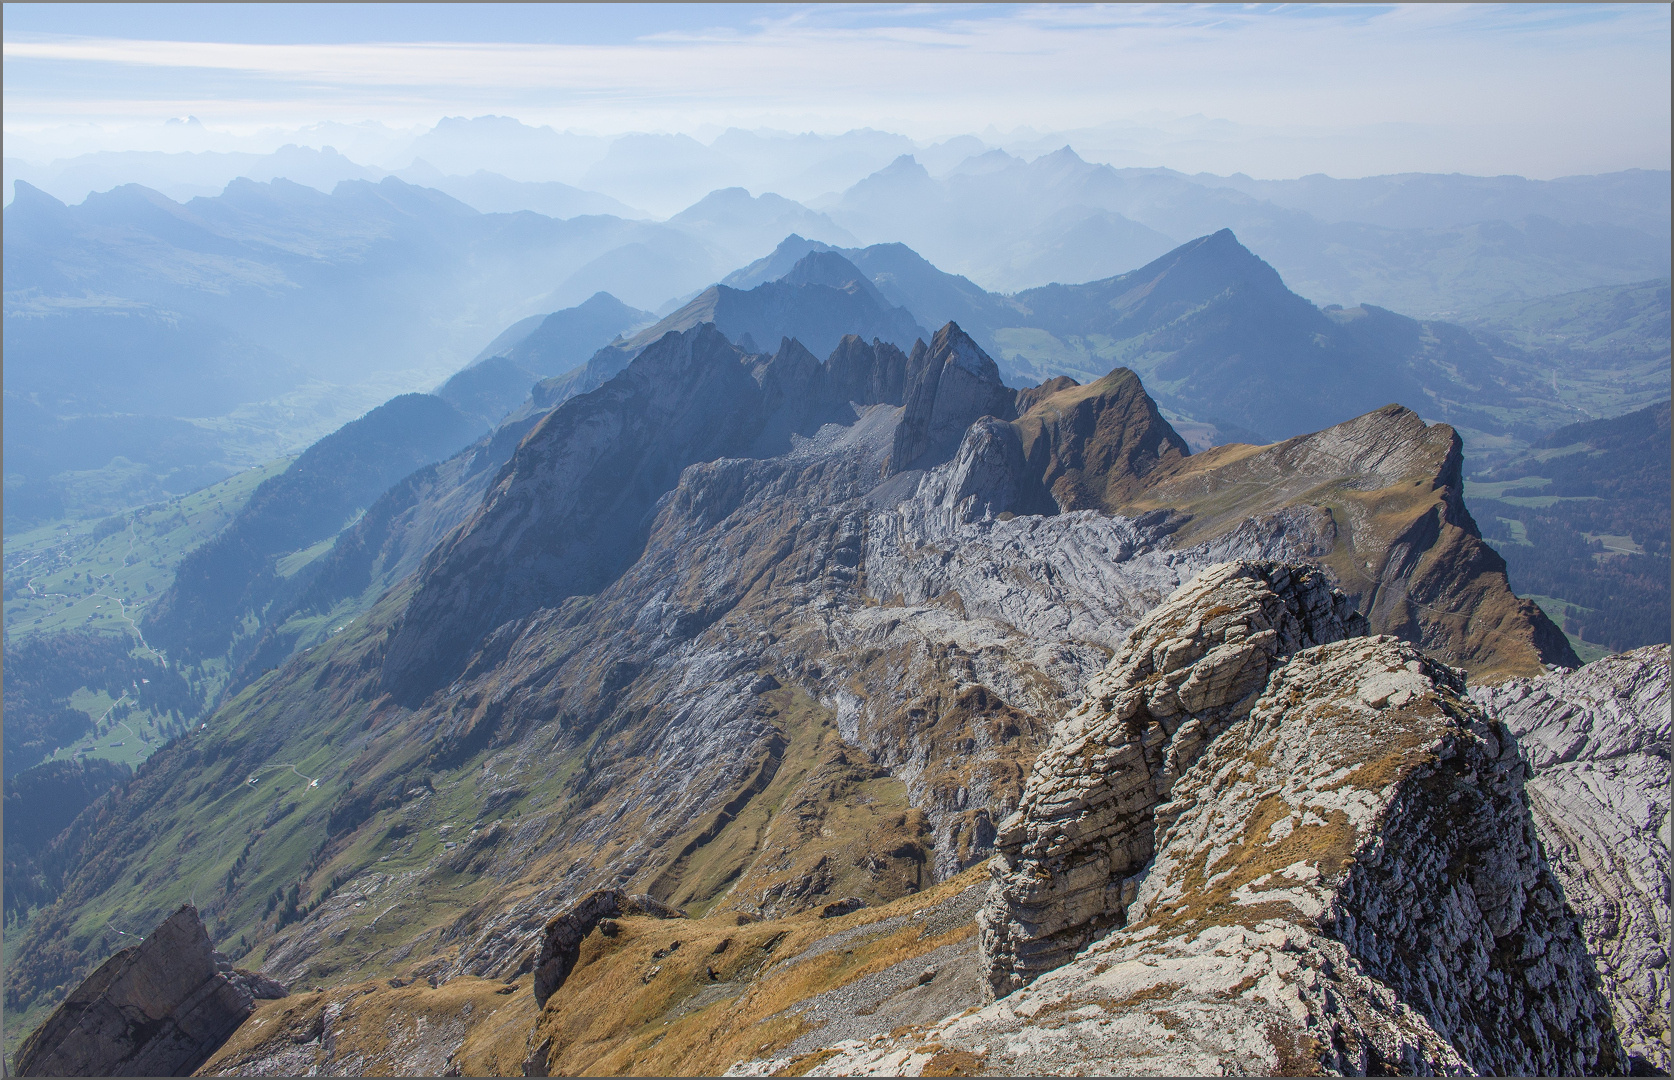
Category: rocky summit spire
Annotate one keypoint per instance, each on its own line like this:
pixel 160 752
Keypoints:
pixel 950 384
pixel 1090 817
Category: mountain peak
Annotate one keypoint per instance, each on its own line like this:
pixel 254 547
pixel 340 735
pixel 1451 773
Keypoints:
pixel 950 384
pixel 904 167
pixel 776 265
pixel 830 269
pixel 953 346
pixel 29 197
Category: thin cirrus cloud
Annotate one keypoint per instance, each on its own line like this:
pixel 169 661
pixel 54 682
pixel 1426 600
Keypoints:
pixel 1533 89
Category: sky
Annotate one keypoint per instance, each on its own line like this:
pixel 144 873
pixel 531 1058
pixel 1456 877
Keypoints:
pixel 1270 90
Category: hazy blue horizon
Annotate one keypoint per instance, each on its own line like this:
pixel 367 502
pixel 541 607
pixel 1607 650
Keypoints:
pixel 1273 92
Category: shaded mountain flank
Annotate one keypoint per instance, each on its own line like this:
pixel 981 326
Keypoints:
pixel 41 802
pixel 553 344
pixel 748 634
pixel 488 390
pixel 235 575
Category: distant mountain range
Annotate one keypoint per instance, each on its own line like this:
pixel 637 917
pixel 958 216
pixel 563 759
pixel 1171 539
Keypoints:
pixel 244 325
pixel 1234 354
pixel 1421 244
pixel 273 312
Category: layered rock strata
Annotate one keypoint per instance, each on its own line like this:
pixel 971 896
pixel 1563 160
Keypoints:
pixel 1086 823
pixel 159 1008
pixel 1348 880
pixel 1597 742
pixel 1404 547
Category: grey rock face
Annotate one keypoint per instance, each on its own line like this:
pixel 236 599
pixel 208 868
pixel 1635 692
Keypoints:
pixel 987 477
pixel 158 1009
pixel 1347 881
pixel 950 384
pixel 1099 794
pixel 1597 742
pixel 562 937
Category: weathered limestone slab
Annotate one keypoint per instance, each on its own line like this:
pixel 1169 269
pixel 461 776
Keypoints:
pixel 1597 742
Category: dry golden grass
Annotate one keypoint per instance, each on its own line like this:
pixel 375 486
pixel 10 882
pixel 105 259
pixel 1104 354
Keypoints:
pixel 378 1026
pixel 819 809
pixel 1330 847
pixel 946 1062
pixel 616 1016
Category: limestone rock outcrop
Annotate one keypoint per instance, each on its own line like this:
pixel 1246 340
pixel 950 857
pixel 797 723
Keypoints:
pixel 1348 880
pixel 561 939
pixel 160 1008
pixel 1597 742
pixel 1086 823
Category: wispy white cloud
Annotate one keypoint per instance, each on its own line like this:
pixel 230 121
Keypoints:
pixel 1347 89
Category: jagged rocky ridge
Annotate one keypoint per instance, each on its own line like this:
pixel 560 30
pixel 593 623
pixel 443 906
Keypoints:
pixel 822 299
pixel 711 639
pixel 1349 870
pixel 1071 857
pixel 159 1008
pixel 1596 742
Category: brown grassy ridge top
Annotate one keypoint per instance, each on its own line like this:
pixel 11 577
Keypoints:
pixel 1405 547
pixel 647 997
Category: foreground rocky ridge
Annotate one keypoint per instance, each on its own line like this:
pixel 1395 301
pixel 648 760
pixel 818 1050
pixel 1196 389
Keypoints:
pixel 1596 741
pixel 1070 858
pixel 1350 868
pixel 741 669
